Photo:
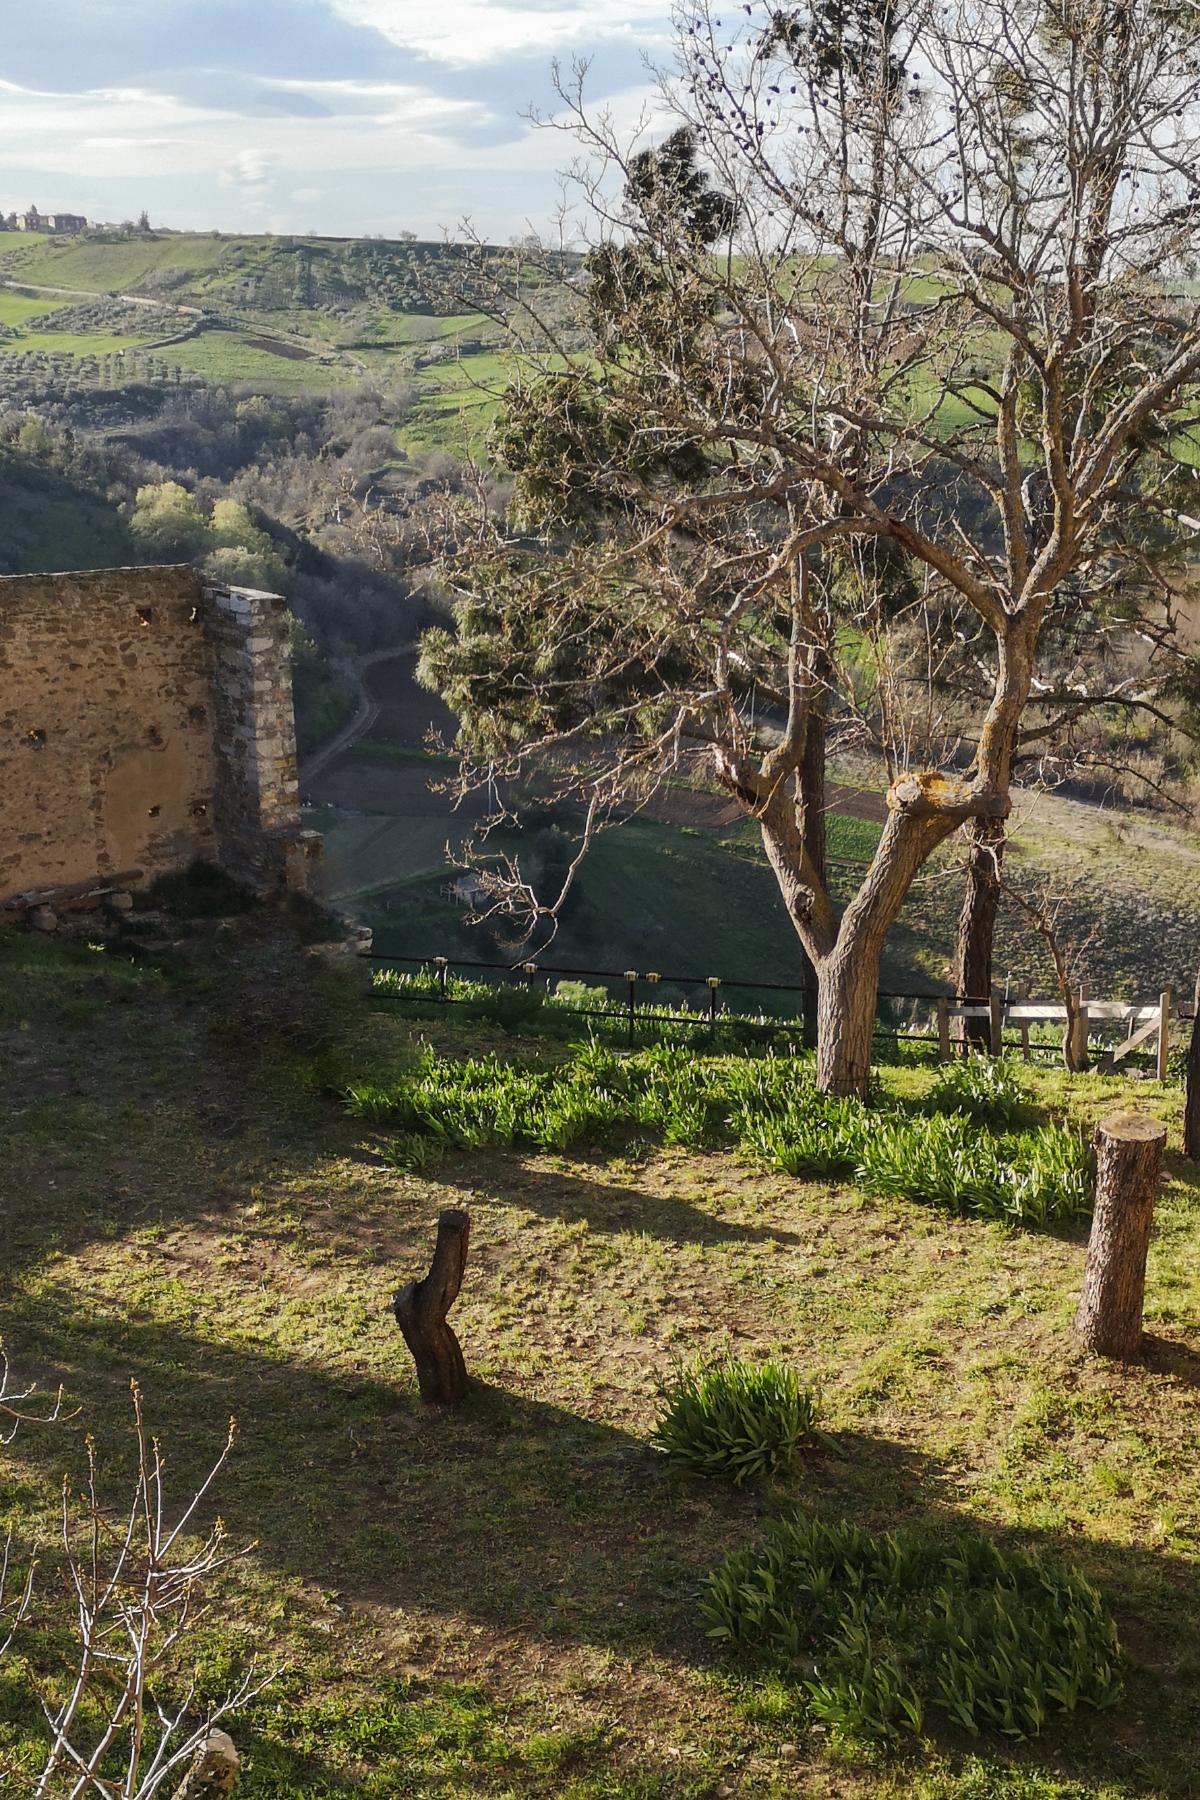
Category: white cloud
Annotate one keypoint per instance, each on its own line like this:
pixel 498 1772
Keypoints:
pixel 250 170
pixel 470 32
pixel 378 150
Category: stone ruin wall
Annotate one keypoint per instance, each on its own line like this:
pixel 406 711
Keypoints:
pixel 145 720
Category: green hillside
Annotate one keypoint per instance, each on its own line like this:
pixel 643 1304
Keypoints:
pixel 277 315
pixel 50 522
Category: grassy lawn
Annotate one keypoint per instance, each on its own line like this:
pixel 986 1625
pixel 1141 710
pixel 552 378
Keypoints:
pixel 227 356
pixel 457 403
pixel 15 309
pixel 105 267
pixel 73 343
pixel 501 1602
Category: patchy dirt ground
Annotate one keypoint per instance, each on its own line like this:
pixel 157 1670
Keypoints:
pixel 501 1602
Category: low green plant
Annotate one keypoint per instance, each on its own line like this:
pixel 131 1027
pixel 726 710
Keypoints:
pixel 879 1631
pixel 1023 1178
pixel 738 1420
pixel 987 1089
pixel 514 1008
pixel 805 1133
pixel 767 1105
pixel 579 995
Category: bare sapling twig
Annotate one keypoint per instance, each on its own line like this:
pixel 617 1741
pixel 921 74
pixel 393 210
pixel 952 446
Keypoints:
pixel 24 1405
pixel 121 1719
pixel 1044 908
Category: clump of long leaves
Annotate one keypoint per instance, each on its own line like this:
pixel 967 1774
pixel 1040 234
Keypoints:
pixel 987 1089
pixel 880 1631
pixel 667 1091
pixel 768 1106
pixel 737 1420
pixel 1022 1178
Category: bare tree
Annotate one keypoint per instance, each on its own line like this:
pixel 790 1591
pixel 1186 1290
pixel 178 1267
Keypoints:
pixel 892 334
pixel 1046 907
pixel 120 1720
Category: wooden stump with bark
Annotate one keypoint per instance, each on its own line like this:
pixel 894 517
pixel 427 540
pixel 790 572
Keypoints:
pixel 1129 1149
pixel 214 1769
pixel 421 1307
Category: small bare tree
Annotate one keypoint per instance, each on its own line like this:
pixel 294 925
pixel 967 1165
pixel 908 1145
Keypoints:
pixel 1045 907
pixel 119 1719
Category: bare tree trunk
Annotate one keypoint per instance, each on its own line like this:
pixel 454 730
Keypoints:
pixel 1129 1151
pixel 847 990
pixel 214 1769
pixel 977 924
pixel 813 789
pixel 421 1309
pixel 1191 1100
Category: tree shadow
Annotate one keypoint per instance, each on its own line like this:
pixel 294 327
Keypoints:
pixel 1169 1356
pixel 576 1195
pixel 538 1524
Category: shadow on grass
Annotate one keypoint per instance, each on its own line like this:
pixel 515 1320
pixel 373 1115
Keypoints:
pixel 575 1194
pixel 512 1514
pixel 546 1527
pixel 1167 1356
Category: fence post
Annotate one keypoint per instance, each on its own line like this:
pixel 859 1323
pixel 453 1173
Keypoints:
pixel 1021 996
pixel 996 1020
pixel 943 1027
pixel 1081 1028
pixel 1164 1031
pixel 631 977
pixel 442 965
pixel 713 984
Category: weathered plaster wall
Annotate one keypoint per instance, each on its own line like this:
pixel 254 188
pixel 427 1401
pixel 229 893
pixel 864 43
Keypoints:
pixel 145 720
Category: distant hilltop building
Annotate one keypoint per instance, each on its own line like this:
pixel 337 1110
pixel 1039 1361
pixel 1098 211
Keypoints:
pixel 53 224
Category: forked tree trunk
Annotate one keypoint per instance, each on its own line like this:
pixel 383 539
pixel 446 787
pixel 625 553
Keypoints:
pixel 847 989
pixel 1129 1152
pixel 977 925
pixel 421 1309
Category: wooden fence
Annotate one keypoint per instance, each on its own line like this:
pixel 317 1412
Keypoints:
pixel 1009 1014
pixel 1142 1025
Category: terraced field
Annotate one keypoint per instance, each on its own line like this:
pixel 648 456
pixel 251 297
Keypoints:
pixel 274 315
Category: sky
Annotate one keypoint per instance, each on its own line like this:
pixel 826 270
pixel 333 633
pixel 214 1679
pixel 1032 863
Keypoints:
pixel 348 117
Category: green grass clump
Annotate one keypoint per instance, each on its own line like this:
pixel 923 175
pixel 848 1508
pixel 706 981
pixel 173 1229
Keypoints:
pixel 1023 1178
pixel 986 1089
pixel 738 1420
pixel 879 1631
pixel 767 1105
pixel 802 1133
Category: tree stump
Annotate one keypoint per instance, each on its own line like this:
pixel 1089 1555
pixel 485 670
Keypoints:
pixel 214 1769
pixel 421 1308
pixel 1129 1152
